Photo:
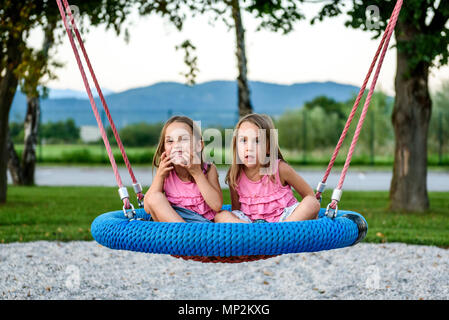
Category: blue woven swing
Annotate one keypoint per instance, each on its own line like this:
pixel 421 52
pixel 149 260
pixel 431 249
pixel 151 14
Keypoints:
pixel 236 241
pixel 225 242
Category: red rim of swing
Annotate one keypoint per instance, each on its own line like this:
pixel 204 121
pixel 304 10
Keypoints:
pixel 232 259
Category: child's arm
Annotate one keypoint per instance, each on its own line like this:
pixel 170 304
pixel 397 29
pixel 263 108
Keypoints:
pixel 309 206
pixel 288 175
pixel 162 172
pixel 209 187
pixel 235 202
pixel 227 216
pixel 157 185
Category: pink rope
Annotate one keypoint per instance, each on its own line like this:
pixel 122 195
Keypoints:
pixel 389 32
pixel 103 101
pixel 390 27
pixel 352 114
pixel 92 102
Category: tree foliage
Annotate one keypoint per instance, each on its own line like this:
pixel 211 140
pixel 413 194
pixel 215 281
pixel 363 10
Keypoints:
pixel 139 134
pixel 439 122
pixel 319 123
pixel 60 131
pixel 428 18
pixel 422 41
pixel 21 64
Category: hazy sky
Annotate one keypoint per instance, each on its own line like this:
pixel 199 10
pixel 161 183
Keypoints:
pixel 326 51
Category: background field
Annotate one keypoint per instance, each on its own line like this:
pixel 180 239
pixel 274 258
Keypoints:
pixel 96 154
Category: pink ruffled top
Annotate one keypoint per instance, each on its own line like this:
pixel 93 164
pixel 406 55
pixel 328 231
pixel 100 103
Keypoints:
pixel 264 199
pixel 186 194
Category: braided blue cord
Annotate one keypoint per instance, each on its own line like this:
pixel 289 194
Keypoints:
pixel 115 231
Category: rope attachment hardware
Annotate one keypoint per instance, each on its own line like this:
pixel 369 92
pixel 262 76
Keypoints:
pixel 319 190
pixel 129 212
pixel 330 212
pixel 336 194
pixel 138 190
pixel 321 187
pixel 332 207
pixel 123 193
pixel 70 25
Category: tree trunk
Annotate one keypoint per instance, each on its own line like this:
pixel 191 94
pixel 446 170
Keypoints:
pixel 7 90
pixel 14 163
pixel 31 126
pixel 22 172
pixel 242 81
pixel 411 116
pixel 25 171
pixel 8 87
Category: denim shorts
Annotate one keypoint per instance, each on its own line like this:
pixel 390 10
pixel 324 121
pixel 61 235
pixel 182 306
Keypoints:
pixel 285 214
pixel 188 215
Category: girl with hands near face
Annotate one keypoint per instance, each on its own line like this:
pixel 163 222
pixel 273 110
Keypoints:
pixel 165 166
pixel 184 188
pixel 261 181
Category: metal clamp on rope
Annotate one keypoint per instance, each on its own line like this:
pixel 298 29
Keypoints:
pixel 138 189
pixel 336 195
pixel 123 193
pixel 320 188
pixel 331 213
pixel 129 213
pixel 140 203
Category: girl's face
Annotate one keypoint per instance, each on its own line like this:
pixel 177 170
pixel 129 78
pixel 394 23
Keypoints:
pixel 249 143
pixel 179 142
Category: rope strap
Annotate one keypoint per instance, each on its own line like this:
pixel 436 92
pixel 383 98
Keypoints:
pixel 126 203
pixel 136 185
pixel 382 49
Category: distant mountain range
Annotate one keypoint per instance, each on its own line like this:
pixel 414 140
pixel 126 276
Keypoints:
pixel 213 102
pixel 68 93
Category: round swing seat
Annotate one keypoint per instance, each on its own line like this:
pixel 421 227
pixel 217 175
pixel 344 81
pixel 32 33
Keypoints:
pixel 227 242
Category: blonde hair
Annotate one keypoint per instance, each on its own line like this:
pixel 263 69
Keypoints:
pixel 196 131
pixel 264 122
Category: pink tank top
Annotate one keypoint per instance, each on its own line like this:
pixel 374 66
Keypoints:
pixel 264 199
pixel 187 195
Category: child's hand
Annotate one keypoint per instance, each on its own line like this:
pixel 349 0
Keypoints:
pixel 165 166
pixel 192 164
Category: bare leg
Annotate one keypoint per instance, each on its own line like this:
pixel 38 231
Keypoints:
pixel 226 216
pixel 161 210
pixel 147 208
pixel 307 209
pixel 152 215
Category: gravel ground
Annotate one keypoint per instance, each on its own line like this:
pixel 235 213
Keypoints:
pixel 86 270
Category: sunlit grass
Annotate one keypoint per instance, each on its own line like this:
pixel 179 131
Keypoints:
pixel 66 213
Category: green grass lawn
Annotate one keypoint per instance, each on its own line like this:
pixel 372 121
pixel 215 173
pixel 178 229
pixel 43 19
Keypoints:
pixel 66 213
pixel 85 154
pixel 88 154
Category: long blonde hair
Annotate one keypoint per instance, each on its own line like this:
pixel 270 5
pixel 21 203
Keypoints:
pixel 196 131
pixel 264 122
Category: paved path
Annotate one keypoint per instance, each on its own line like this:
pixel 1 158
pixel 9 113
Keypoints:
pixel 356 179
